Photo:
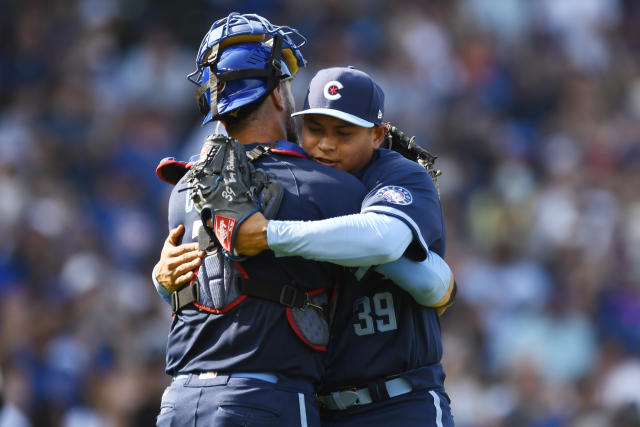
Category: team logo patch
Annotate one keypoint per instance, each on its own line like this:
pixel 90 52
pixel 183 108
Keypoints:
pixel 396 195
pixel 332 90
pixel 223 229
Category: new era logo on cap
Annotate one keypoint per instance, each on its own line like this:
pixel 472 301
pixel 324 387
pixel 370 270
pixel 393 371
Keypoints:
pixel 345 93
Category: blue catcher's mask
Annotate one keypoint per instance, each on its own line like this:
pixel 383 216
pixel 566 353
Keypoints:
pixel 250 57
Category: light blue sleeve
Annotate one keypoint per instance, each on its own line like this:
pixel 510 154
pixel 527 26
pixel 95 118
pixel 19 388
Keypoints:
pixel 353 240
pixel 162 291
pixel 426 281
pixel 363 240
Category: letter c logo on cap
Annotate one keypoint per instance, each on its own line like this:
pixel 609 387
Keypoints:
pixel 331 90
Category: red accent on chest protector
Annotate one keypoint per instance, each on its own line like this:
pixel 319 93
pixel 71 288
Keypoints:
pixel 293 325
pixel 228 307
pixel 171 170
pixel 241 269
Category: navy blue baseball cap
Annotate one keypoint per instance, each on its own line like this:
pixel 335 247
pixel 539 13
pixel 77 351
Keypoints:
pixel 345 93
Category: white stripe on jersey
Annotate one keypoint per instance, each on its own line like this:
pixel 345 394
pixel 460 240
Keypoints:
pixel 303 410
pixel 436 403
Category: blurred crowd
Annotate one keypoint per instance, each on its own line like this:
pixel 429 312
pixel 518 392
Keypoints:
pixel 532 106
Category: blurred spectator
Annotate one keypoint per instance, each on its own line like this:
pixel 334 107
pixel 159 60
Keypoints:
pixel 532 107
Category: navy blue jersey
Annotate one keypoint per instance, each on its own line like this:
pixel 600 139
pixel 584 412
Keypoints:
pixel 254 335
pixel 404 189
pixel 379 330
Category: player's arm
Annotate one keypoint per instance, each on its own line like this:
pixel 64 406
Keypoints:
pixel 430 282
pixel 176 265
pixel 362 240
pixel 352 240
pixel 356 240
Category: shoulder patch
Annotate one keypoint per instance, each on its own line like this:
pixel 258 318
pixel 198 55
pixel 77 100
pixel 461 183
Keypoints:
pixel 394 194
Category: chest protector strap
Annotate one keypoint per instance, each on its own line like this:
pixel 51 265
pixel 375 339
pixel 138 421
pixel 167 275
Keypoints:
pixel 185 296
pixel 287 295
pixel 306 311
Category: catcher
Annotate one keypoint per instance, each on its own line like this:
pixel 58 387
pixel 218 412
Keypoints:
pixel 246 339
pixel 377 316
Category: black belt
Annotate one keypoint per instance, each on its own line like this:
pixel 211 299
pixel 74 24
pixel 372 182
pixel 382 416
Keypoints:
pixel 287 295
pixel 422 378
pixel 345 399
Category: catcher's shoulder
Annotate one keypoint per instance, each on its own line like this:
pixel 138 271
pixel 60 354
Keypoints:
pixel 313 174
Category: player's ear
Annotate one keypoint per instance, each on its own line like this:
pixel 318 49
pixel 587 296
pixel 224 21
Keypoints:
pixel 379 131
pixel 277 96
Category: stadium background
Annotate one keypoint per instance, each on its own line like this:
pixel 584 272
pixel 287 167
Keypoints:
pixel 533 107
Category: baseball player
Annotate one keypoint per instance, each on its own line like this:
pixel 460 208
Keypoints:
pixel 385 350
pixel 235 350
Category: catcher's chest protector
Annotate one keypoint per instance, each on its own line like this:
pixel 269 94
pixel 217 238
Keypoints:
pixel 222 285
pixel 218 281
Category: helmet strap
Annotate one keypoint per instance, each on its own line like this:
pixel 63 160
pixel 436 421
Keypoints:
pixel 275 69
pixel 211 85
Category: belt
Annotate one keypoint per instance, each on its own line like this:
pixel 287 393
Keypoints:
pixel 339 400
pixel 264 376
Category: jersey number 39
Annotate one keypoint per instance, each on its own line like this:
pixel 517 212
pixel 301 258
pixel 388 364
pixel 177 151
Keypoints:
pixel 382 319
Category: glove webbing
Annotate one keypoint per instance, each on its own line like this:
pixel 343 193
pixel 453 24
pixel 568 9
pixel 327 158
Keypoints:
pixel 252 155
pixel 397 141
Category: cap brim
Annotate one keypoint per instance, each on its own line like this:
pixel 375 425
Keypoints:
pixel 338 115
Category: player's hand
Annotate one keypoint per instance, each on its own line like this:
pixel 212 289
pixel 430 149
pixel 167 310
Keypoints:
pixel 177 262
pixel 252 235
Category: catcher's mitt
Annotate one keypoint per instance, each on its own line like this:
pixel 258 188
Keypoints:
pixel 396 140
pixel 226 189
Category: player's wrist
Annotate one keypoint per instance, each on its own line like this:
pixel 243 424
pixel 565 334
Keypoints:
pixel 265 235
pixel 161 290
pixel 252 237
pixel 271 233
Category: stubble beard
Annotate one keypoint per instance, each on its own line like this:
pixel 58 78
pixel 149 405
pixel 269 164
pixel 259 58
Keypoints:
pixel 290 126
pixel 291 129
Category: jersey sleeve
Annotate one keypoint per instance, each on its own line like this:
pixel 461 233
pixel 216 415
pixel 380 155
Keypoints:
pixel 403 189
pixel 161 290
pixel 427 281
pixel 353 240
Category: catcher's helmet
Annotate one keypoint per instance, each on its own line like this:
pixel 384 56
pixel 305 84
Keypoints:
pixel 242 59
